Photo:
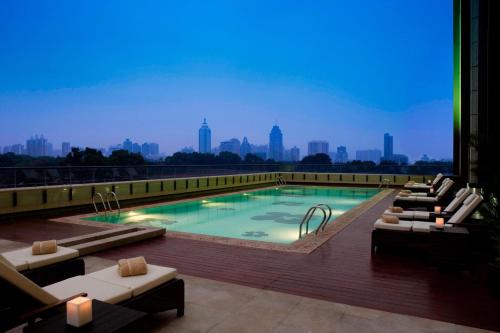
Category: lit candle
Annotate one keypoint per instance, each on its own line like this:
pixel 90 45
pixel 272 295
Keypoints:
pixel 437 209
pixel 439 222
pixel 431 190
pixel 79 311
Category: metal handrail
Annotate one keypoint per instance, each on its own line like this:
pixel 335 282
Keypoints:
pixel 325 221
pixel 103 203
pixel 307 217
pixel 113 194
pixel 280 181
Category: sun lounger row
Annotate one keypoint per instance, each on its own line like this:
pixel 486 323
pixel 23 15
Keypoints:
pixel 410 228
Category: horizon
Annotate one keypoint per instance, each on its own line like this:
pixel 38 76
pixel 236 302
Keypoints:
pixel 338 72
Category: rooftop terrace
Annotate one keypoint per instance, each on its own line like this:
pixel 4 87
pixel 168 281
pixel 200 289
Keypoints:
pixel 341 272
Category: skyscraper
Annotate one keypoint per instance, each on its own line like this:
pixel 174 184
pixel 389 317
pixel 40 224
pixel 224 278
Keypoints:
pixel 341 156
pixel 232 146
pixel 317 147
pixel 260 150
pixel 245 148
pixel 294 154
pixel 204 138
pixel 36 146
pixel 128 145
pixel 275 144
pixel 65 148
pixel 388 147
pixel 373 155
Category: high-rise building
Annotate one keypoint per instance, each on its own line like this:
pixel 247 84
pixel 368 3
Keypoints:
pixel 145 149
pixel 260 151
pixel 49 149
pixel 232 146
pixel 154 149
pixel 245 148
pixel 373 155
pixel 294 154
pixel 36 146
pixel 317 147
pixel 341 156
pixel 136 148
pixel 17 149
pixel 400 159
pixel 204 138
pixel 7 149
pixel 388 147
pixel 275 144
pixel 128 145
pixel 65 148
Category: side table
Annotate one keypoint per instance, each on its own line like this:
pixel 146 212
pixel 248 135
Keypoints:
pixel 105 318
pixel 450 247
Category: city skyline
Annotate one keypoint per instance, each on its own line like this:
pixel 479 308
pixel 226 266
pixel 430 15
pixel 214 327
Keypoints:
pixel 38 145
pixel 325 77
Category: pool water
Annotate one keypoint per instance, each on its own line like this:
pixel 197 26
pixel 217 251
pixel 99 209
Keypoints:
pixel 270 215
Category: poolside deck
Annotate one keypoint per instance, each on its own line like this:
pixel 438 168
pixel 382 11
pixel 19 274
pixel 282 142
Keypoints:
pixel 341 270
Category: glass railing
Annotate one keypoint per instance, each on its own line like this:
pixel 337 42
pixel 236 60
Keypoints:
pixel 68 175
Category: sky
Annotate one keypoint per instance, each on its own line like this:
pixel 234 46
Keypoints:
pixel 96 72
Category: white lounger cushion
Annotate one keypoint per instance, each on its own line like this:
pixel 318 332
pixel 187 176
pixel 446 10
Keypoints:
pixel 95 289
pixel 11 275
pixel 418 186
pixel 422 185
pixel 140 283
pixel 409 214
pixel 31 261
pixel 460 196
pixel 421 215
pixel 19 264
pixel 402 225
pixel 415 198
pixel 406 214
pixel 469 205
pixel 424 226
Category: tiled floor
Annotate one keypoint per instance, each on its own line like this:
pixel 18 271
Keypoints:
pixel 213 306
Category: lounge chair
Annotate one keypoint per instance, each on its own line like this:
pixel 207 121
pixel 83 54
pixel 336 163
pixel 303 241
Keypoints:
pixel 414 234
pixel 460 196
pixel 23 301
pixel 46 269
pixel 427 202
pixel 419 187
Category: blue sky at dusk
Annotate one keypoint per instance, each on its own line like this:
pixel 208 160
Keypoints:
pixel 96 72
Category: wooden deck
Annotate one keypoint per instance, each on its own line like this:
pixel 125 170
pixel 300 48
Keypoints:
pixel 341 270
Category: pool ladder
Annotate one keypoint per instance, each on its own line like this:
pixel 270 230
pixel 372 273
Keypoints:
pixel 280 181
pixel 106 204
pixel 310 213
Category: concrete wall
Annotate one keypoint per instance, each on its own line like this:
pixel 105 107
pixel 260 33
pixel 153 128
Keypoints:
pixel 351 178
pixel 16 200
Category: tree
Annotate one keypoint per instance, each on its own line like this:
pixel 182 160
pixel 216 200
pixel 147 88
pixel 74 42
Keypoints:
pixel 226 157
pixel 253 159
pixel 124 157
pixel 88 157
pixel 317 159
pixel 190 159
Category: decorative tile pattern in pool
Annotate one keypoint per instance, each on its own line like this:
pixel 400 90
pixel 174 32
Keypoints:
pixel 270 215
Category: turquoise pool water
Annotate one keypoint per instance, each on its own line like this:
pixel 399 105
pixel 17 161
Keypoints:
pixel 270 215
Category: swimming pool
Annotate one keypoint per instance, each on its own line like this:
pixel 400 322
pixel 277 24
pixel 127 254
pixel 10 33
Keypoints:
pixel 268 215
